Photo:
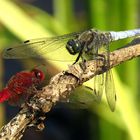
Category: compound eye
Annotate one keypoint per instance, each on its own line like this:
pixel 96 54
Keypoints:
pixel 38 74
pixel 71 42
pixel 72 46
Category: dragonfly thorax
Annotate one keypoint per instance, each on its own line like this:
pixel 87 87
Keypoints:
pixel 73 46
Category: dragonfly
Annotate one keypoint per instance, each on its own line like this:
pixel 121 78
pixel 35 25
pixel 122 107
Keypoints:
pixel 86 45
pixel 16 91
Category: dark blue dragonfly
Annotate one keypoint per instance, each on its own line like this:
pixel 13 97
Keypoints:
pixel 85 45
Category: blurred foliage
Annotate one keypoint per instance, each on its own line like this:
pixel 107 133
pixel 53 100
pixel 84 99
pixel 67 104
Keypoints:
pixel 20 21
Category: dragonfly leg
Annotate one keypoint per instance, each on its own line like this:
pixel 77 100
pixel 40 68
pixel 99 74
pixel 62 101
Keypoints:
pixel 89 88
pixel 78 57
pixel 102 58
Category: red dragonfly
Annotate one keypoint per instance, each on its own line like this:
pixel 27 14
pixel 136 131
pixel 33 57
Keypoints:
pixel 18 85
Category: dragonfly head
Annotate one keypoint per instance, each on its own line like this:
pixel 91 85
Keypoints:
pixel 38 74
pixel 73 46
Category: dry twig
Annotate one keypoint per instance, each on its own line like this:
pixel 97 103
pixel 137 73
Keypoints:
pixel 60 87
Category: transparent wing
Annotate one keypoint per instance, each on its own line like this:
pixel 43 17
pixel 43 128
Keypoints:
pixel 99 79
pixel 109 82
pixel 37 48
pixel 98 87
pixel 105 81
pixel 82 97
pixel 110 90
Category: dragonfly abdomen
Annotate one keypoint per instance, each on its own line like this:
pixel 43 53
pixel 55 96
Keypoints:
pixel 124 34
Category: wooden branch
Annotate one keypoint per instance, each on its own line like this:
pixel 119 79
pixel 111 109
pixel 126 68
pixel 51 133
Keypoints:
pixel 60 87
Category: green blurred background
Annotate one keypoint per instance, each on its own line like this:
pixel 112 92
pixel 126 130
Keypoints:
pixel 26 19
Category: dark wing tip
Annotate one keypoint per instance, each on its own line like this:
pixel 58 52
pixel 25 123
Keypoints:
pixel 6 53
pixel 8 49
pixel 115 97
pixel 27 41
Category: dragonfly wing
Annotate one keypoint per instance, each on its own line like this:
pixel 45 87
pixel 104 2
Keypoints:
pixel 37 48
pixel 98 87
pixel 110 90
pixel 82 97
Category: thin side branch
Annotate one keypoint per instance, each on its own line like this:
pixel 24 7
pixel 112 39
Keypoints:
pixel 60 87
